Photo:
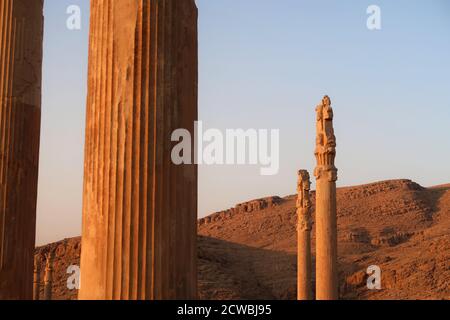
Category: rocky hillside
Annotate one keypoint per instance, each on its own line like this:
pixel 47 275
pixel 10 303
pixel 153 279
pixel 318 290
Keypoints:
pixel 249 252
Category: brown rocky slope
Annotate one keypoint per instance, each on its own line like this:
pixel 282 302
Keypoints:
pixel 249 252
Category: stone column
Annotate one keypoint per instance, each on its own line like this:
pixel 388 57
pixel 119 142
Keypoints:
pixel 304 226
pixel 48 277
pixel 140 209
pixel 21 30
pixel 36 278
pixel 326 217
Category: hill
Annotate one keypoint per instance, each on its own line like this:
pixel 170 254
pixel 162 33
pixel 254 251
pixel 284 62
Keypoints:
pixel 249 252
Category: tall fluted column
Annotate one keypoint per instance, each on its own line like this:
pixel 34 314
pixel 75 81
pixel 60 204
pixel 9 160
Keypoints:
pixel 48 277
pixel 36 278
pixel 139 208
pixel 304 226
pixel 21 31
pixel 326 217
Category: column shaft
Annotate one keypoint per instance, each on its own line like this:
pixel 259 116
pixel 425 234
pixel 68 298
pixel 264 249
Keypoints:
pixel 36 278
pixel 326 242
pixel 139 209
pixel 48 277
pixel 21 31
pixel 304 289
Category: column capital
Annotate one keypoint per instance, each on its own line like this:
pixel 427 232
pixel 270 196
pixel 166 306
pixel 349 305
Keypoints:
pixel 325 151
pixel 304 201
pixel 304 220
pixel 326 172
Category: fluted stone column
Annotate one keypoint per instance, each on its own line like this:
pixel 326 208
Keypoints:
pixel 36 278
pixel 139 210
pixel 304 226
pixel 326 216
pixel 48 277
pixel 21 30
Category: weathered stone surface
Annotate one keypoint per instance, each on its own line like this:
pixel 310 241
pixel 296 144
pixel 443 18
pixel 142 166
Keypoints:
pixel 140 210
pixel 257 205
pixel 304 226
pixel 242 208
pixel 326 213
pixel 63 249
pixel 21 28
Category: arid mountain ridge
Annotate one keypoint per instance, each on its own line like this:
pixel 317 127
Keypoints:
pixel 249 252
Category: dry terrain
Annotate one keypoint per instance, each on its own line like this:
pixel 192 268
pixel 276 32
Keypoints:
pixel 249 252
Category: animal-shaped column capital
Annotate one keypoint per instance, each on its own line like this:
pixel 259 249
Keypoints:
pixel 325 141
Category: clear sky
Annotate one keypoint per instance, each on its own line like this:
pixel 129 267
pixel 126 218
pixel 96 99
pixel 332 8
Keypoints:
pixel 267 64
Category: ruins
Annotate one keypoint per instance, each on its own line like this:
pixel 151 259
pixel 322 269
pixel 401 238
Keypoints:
pixel 326 216
pixel 21 22
pixel 304 227
pixel 139 237
pixel 48 278
pixel 36 277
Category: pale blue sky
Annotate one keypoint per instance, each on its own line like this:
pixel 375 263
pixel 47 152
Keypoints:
pixel 266 64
